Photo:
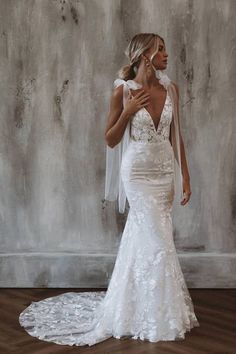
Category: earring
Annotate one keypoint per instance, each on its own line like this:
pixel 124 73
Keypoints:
pixel 148 66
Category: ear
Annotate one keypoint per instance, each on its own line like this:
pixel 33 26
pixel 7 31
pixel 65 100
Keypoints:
pixel 144 56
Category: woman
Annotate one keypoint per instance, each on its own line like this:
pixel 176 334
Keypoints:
pixel 147 296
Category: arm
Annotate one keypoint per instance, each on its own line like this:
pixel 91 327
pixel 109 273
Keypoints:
pixel 117 118
pixel 184 165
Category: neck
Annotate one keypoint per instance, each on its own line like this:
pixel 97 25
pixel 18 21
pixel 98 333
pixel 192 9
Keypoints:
pixel 147 80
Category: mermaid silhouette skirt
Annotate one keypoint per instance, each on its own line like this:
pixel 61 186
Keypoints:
pixel 147 296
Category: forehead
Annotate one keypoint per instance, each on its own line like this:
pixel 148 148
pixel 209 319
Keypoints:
pixel 161 45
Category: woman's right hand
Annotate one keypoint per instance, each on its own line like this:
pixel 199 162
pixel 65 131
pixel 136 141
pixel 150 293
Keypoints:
pixel 135 103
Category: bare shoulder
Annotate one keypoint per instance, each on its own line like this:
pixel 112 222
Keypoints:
pixel 117 93
pixel 116 100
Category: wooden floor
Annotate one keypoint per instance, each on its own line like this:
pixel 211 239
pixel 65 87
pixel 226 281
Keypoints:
pixel 214 308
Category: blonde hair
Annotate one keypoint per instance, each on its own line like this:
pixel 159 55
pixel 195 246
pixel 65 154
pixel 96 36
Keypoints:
pixel 137 46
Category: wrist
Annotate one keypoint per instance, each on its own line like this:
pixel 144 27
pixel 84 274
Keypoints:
pixel 126 115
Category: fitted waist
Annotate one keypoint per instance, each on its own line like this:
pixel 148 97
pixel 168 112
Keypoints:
pixel 158 141
pixel 152 148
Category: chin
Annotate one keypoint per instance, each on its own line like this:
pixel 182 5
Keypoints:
pixel 163 68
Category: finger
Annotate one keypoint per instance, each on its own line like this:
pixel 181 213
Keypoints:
pixel 142 99
pixel 144 104
pixel 185 200
pixel 145 99
pixel 144 94
pixel 140 93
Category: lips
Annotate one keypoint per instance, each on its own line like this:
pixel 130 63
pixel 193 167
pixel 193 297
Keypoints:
pixel 165 61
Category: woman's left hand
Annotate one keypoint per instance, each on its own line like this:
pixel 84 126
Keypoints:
pixel 187 191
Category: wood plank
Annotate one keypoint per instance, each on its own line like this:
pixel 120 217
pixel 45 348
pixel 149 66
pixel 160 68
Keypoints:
pixel 215 310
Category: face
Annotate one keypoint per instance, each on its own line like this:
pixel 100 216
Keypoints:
pixel 160 59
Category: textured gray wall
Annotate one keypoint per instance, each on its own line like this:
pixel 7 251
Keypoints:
pixel 58 62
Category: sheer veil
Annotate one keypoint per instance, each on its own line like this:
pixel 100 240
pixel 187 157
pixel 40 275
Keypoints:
pixel 114 189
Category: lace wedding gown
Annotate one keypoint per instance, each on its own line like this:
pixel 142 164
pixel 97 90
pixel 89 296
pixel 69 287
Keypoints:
pixel 147 296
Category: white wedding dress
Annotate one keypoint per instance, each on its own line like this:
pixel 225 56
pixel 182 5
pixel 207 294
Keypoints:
pixel 147 296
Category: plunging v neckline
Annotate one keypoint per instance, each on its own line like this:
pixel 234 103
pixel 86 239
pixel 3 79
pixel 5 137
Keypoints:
pixel 153 123
pixel 156 128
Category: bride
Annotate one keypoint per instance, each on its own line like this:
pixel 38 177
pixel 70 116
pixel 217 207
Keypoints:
pixel 147 297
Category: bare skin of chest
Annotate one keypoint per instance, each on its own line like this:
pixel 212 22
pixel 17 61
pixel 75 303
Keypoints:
pixel 156 102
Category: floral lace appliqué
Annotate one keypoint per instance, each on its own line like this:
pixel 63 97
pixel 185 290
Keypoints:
pixel 142 126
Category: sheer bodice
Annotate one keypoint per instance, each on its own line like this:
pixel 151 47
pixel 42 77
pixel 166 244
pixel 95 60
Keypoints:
pixel 143 128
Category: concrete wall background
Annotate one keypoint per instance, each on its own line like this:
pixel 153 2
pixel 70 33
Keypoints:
pixel 58 63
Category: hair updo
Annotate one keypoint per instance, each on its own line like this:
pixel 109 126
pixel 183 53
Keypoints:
pixel 137 46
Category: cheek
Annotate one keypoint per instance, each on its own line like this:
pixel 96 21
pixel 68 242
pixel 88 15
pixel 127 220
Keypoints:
pixel 158 57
